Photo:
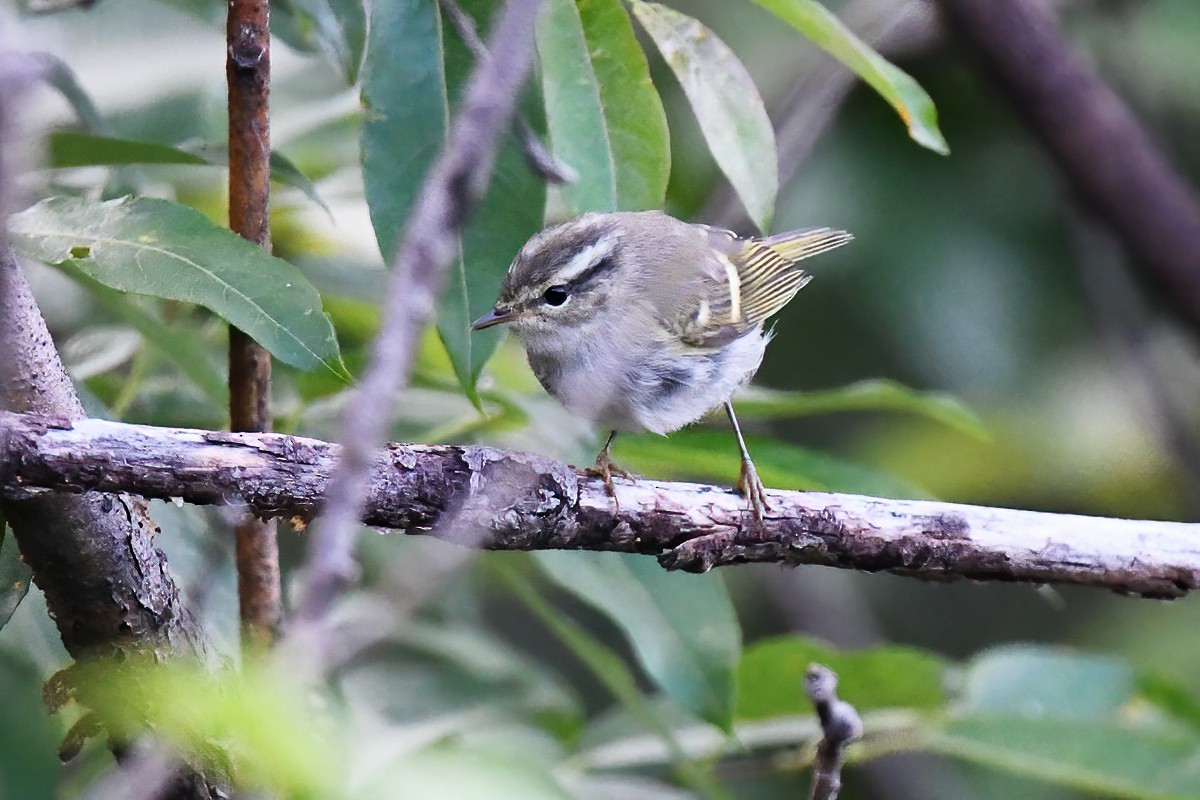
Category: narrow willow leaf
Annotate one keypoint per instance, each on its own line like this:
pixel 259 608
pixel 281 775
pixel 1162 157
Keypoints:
pixel 726 102
pixel 610 670
pixel 72 149
pixel 604 115
pixel 158 248
pixel 578 131
pixel 825 30
pixel 711 454
pixel 510 212
pixel 870 395
pixel 405 110
pixel 682 627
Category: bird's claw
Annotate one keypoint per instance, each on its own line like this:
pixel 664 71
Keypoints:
pixel 604 469
pixel 751 487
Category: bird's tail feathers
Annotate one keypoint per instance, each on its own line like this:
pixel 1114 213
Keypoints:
pixel 796 245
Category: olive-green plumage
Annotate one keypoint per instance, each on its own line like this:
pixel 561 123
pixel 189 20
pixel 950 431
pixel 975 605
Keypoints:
pixel 639 321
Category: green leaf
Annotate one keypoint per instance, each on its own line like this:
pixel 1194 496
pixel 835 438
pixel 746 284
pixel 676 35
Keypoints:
pixel 181 347
pixel 454 770
pixel 606 667
pixel 1172 697
pixel 257 721
pixel 684 631
pixel 726 102
pixel 284 171
pixel 15 575
pixel 1039 681
pixel 336 28
pixel 604 115
pixel 1069 719
pixel 71 149
pixel 709 454
pixel 825 30
pixel 406 111
pixel 1107 758
pixel 166 250
pixel 771 676
pixel 870 395
pixel 510 212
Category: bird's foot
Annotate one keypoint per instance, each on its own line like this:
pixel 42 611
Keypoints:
pixel 751 487
pixel 604 469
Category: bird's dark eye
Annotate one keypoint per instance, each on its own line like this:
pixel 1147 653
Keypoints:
pixel 556 295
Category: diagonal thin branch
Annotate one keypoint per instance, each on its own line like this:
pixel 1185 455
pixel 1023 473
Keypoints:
pixel 455 184
pixel 518 501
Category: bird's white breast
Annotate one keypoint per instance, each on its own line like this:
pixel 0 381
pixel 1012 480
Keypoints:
pixel 617 382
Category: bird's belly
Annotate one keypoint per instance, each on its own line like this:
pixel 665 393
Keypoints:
pixel 587 386
pixel 658 390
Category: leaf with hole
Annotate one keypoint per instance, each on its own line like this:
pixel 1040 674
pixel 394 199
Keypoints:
pixel 158 248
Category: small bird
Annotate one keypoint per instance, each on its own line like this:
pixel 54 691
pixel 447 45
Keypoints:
pixel 639 321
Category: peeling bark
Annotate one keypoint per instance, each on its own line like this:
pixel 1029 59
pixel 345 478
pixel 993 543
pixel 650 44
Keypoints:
pixel 516 501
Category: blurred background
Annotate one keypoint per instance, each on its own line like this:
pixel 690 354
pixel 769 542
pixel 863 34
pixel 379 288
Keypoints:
pixel 976 274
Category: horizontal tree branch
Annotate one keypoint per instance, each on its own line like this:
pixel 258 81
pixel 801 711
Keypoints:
pixel 517 501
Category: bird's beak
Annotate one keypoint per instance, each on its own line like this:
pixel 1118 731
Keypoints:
pixel 497 316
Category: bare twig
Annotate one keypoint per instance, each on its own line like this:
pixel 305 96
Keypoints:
pixel 1105 155
pixel 840 725
pixel 455 183
pixel 248 75
pixel 517 501
pixel 537 156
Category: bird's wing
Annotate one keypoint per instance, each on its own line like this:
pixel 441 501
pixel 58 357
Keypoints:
pixel 748 280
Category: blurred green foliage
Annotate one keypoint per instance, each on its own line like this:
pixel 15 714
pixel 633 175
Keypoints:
pixel 593 675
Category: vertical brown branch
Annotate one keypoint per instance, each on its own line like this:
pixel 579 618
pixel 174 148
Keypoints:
pixel 248 73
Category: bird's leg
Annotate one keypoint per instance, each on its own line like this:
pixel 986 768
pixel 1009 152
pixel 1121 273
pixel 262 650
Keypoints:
pixel 749 484
pixel 605 468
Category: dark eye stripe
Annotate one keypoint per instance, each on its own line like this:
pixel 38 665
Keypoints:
pixel 601 268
